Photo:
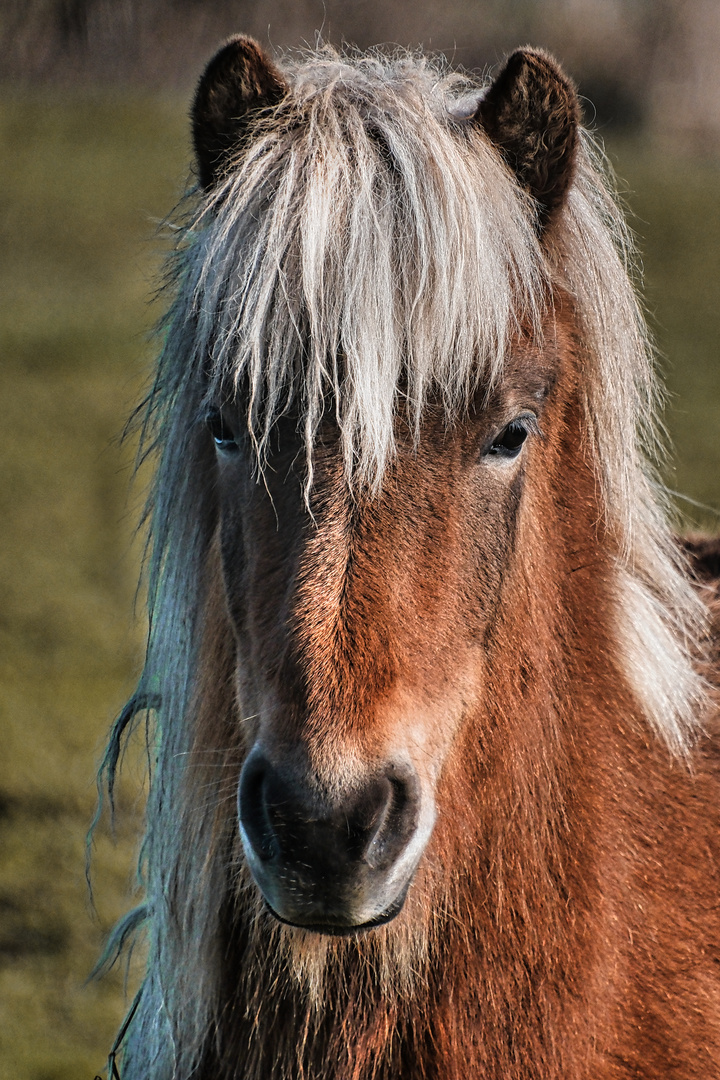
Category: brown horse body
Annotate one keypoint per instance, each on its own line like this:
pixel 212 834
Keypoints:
pixel 472 838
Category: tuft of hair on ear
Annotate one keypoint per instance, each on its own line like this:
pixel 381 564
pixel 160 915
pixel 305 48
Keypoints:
pixel 531 112
pixel 239 82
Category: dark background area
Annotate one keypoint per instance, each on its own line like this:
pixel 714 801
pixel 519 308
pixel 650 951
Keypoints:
pixel 95 151
pixel 649 64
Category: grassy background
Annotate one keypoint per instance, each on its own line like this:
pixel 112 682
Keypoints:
pixel 85 179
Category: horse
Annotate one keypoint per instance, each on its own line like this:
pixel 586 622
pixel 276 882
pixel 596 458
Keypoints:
pixel 431 685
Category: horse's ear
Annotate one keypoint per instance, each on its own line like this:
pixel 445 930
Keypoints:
pixel 531 112
pixel 239 80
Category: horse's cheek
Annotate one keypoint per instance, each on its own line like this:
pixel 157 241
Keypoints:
pixel 491 548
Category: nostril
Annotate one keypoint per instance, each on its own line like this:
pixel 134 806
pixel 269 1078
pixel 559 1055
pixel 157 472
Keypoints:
pixel 396 820
pixel 252 808
pixel 291 829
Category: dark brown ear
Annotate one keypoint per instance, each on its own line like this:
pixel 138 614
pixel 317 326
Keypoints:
pixel 531 112
pixel 238 81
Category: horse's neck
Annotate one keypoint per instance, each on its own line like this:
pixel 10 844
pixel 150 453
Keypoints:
pixel 533 940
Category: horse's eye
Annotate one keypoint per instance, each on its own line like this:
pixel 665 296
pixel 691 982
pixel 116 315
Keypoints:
pixel 222 434
pixel 508 443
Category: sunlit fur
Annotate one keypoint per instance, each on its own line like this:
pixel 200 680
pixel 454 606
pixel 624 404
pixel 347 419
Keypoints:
pixel 371 248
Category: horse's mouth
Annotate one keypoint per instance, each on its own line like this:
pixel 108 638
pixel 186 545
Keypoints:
pixel 337 928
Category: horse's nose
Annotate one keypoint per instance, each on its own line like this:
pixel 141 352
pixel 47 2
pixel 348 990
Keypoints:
pixel 328 862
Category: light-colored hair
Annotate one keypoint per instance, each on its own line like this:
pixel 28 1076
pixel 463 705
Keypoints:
pixel 371 249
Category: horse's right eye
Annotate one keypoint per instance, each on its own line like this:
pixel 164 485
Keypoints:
pixel 221 432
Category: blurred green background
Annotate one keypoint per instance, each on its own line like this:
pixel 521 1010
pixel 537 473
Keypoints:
pixel 86 179
pixel 88 172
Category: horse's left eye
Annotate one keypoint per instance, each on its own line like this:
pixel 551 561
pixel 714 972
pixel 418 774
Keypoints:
pixel 509 442
pixel 222 434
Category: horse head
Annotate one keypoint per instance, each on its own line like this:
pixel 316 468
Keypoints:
pixel 362 613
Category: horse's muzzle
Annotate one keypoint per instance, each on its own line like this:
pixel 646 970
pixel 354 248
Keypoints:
pixel 332 864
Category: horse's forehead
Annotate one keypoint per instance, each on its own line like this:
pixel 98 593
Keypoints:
pixel 530 370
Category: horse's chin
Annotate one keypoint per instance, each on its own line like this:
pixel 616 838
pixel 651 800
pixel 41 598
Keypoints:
pixel 342 926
